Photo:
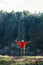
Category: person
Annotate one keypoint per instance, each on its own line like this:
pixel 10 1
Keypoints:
pixel 22 44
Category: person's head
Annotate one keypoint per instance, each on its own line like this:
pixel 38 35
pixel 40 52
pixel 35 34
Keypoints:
pixel 22 40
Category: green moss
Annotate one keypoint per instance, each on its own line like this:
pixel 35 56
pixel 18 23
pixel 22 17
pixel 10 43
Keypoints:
pixel 9 61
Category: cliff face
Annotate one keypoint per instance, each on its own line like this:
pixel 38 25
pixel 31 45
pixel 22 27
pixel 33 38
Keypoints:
pixel 18 26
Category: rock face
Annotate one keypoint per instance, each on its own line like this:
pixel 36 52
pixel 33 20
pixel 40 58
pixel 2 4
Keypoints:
pixel 13 50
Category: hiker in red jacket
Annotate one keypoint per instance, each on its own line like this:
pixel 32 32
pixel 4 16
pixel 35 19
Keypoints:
pixel 22 44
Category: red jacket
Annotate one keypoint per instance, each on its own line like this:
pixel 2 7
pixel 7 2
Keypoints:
pixel 22 44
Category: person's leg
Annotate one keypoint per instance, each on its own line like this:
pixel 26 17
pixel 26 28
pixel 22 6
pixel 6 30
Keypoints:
pixel 23 50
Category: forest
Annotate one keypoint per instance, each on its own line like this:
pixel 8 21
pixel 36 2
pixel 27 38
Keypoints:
pixel 21 25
